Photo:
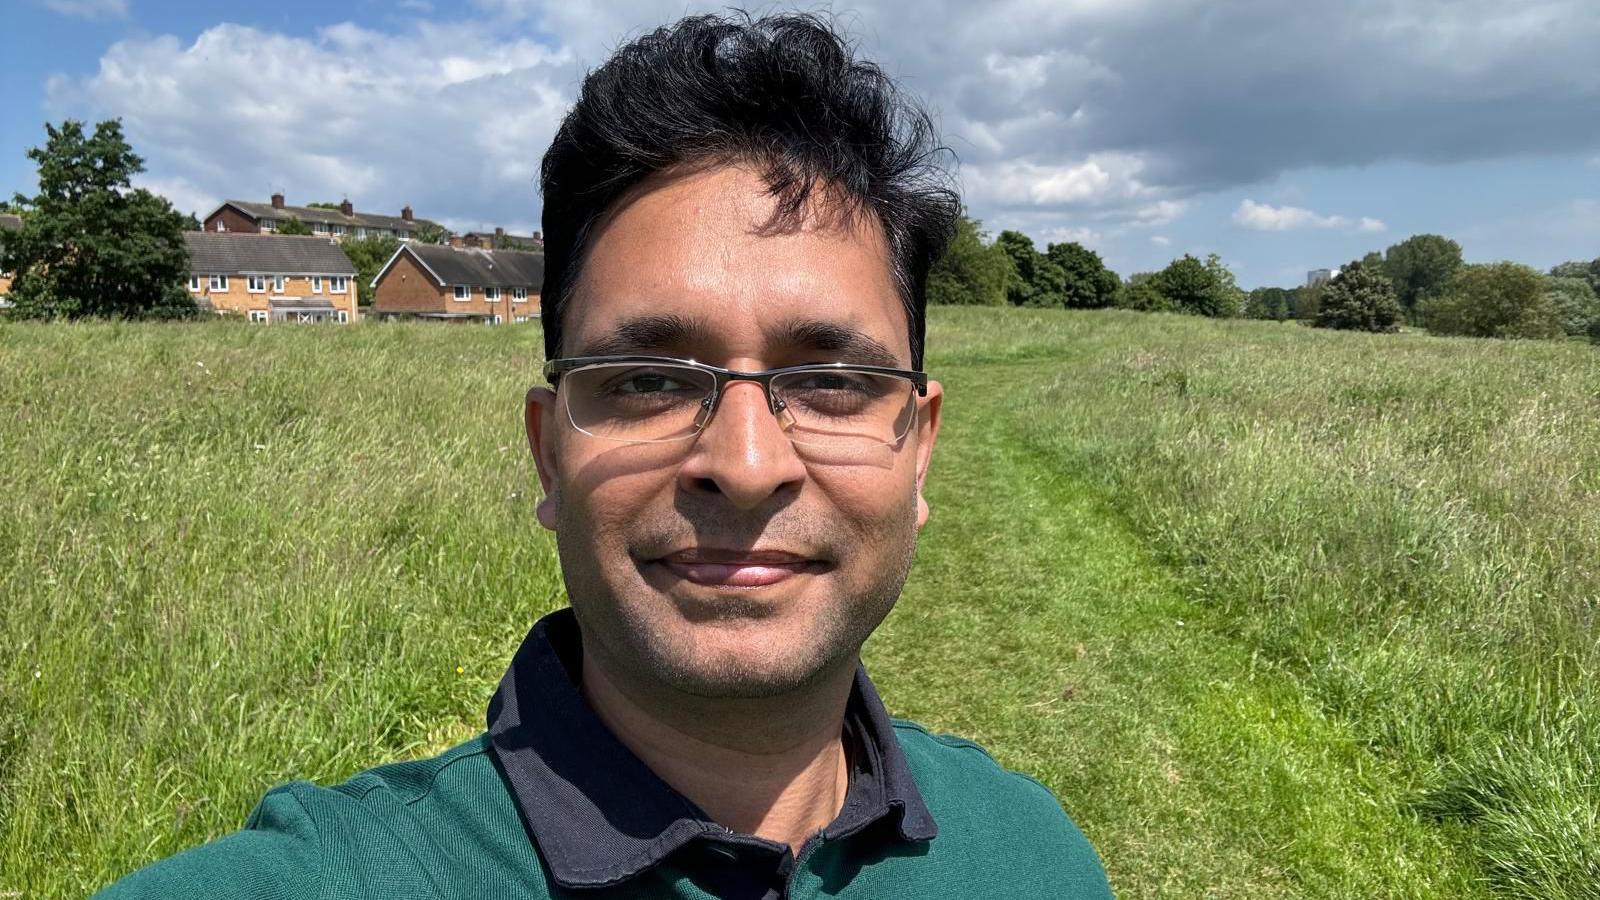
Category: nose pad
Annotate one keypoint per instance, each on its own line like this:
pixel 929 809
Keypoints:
pixel 704 416
pixel 781 410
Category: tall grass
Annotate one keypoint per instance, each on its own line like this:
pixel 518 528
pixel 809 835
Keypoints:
pixel 1277 612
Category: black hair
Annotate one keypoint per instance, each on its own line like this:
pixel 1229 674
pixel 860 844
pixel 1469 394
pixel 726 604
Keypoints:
pixel 784 93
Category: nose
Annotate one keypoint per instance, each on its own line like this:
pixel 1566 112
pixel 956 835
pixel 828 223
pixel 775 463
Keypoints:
pixel 743 453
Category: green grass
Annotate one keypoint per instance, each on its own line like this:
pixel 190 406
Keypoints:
pixel 1276 612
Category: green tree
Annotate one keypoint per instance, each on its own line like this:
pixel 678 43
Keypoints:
pixel 1228 301
pixel 1270 303
pixel 323 204
pixel 1588 271
pixel 192 223
pixel 1502 300
pixel 1421 266
pixel 293 225
pixel 1139 293
pixel 1307 301
pixel 1359 299
pixel 430 233
pixel 971 271
pixel 1086 282
pixel 91 244
pixel 368 255
pixel 1575 302
pixel 1190 287
pixel 1373 262
pixel 1018 247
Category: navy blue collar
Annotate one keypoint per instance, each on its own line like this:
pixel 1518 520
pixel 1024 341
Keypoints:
pixel 600 816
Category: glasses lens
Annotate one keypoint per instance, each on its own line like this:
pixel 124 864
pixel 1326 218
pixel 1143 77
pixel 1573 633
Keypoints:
pixel 635 402
pixel 840 407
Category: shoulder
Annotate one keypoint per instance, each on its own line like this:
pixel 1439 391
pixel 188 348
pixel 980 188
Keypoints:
pixel 991 812
pixel 302 834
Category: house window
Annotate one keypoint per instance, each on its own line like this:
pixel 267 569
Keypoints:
pixel 338 284
pixel 496 320
pixel 277 283
pixel 491 294
pixel 519 318
pixel 219 282
pixel 194 282
pixel 338 229
pixel 316 284
pixel 344 315
pixel 221 226
pixel 463 292
pixel 269 224
pixel 255 284
pixel 519 295
pixel 319 228
pixel 361 232
pixel 258 315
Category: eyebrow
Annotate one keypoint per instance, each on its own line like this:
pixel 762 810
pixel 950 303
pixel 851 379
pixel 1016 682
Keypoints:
pixel 643 335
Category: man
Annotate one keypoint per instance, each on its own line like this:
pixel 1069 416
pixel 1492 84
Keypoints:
pixel 739 223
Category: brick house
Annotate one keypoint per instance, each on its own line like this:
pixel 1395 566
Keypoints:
pixel 431 281
pixel 244 216
pixel 499 240
pixel 8 222
pixel 272 277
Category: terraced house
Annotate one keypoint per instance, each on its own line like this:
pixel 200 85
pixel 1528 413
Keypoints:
pixel 247 217
pixel 433 281
pixel 272 277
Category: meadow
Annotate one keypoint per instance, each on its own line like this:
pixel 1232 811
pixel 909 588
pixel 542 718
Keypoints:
pixel 1276 612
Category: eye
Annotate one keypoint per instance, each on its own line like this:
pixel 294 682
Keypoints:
pixel 647 383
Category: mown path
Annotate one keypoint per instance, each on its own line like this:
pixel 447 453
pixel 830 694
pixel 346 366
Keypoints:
pixel 1197 769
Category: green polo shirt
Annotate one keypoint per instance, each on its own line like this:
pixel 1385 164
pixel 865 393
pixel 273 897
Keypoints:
pixel 547 803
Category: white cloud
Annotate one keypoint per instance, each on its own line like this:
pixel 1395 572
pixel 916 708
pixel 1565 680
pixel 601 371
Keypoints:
pixel 184 195
pixel 1265 217
pixel 451 119
pixel 1160 240
pixel 1098 180
pixel 89 9
pixel 1160 212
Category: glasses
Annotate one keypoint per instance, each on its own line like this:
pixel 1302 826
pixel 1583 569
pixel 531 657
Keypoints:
pixel 649 399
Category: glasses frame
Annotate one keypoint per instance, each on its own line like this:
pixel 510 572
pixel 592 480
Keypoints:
pixel 721 378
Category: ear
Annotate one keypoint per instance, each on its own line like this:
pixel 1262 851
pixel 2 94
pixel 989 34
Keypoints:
pixel 927 432
pixel 539 417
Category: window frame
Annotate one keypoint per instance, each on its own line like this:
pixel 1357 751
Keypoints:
pixel 316 284
pixel 255 284
pixel 218 283
pixel 491 295
pixel 260 315
pixel 519 295
pixel 338 284
pixel 278 281
pixel 194 284
pixel 462 293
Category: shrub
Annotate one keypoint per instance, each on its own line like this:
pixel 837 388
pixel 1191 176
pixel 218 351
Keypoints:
pixel 1359 299
pixel 1502 300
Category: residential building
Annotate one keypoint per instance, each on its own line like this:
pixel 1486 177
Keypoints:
pixel 8 222
pixel 433 281
pixel 272 277
pixel 499 240
pixel 1319 276
pixel 243 216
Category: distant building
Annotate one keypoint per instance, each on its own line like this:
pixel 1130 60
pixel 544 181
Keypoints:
pixel 246 217
pixel 432 281
pixel 1319 276
pixel 8 222
pixel 499 240
pixel 272 277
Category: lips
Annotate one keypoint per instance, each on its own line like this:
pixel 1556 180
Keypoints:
pixel 715 567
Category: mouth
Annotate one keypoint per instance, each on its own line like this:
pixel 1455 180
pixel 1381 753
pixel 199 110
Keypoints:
pixel 713 567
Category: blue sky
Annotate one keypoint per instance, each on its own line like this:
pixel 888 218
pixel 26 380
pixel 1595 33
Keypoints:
pixel 1282 136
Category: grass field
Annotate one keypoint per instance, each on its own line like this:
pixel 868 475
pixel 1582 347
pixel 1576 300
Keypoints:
pixel 1276 612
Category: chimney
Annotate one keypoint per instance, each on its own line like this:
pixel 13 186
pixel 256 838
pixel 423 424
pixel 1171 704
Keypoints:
pixel 346 208
pixel 277 201
pixel 499 232
pixel 538 236
pixel 456 241
pixel 406 214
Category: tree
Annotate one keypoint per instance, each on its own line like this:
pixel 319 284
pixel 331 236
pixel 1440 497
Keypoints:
pixel 293 225
pixel 192 223
pixel 368 255
pixel 1421 266
pixel 1139 293
pixel 1086 282
pixel 1228 300
pixel 1373 262
pixel 1588 271
pixel 970 272
pixel 429 233
pixel 1024 266
pixel 1575 303
pixel 91 244
pixel 323 204
pixel 1190 287
pixel 1270 303
pixel 1503 300
pixel 1359 299
pixel 1307 301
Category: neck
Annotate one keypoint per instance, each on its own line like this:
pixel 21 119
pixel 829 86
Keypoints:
pixel 772 767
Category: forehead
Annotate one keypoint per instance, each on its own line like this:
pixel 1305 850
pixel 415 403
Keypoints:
pixel 699 248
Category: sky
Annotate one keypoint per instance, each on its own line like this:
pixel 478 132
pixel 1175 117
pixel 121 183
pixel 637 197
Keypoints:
pixel 1283 136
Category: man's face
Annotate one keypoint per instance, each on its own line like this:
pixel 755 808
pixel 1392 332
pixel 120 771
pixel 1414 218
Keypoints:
pixel 734 564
